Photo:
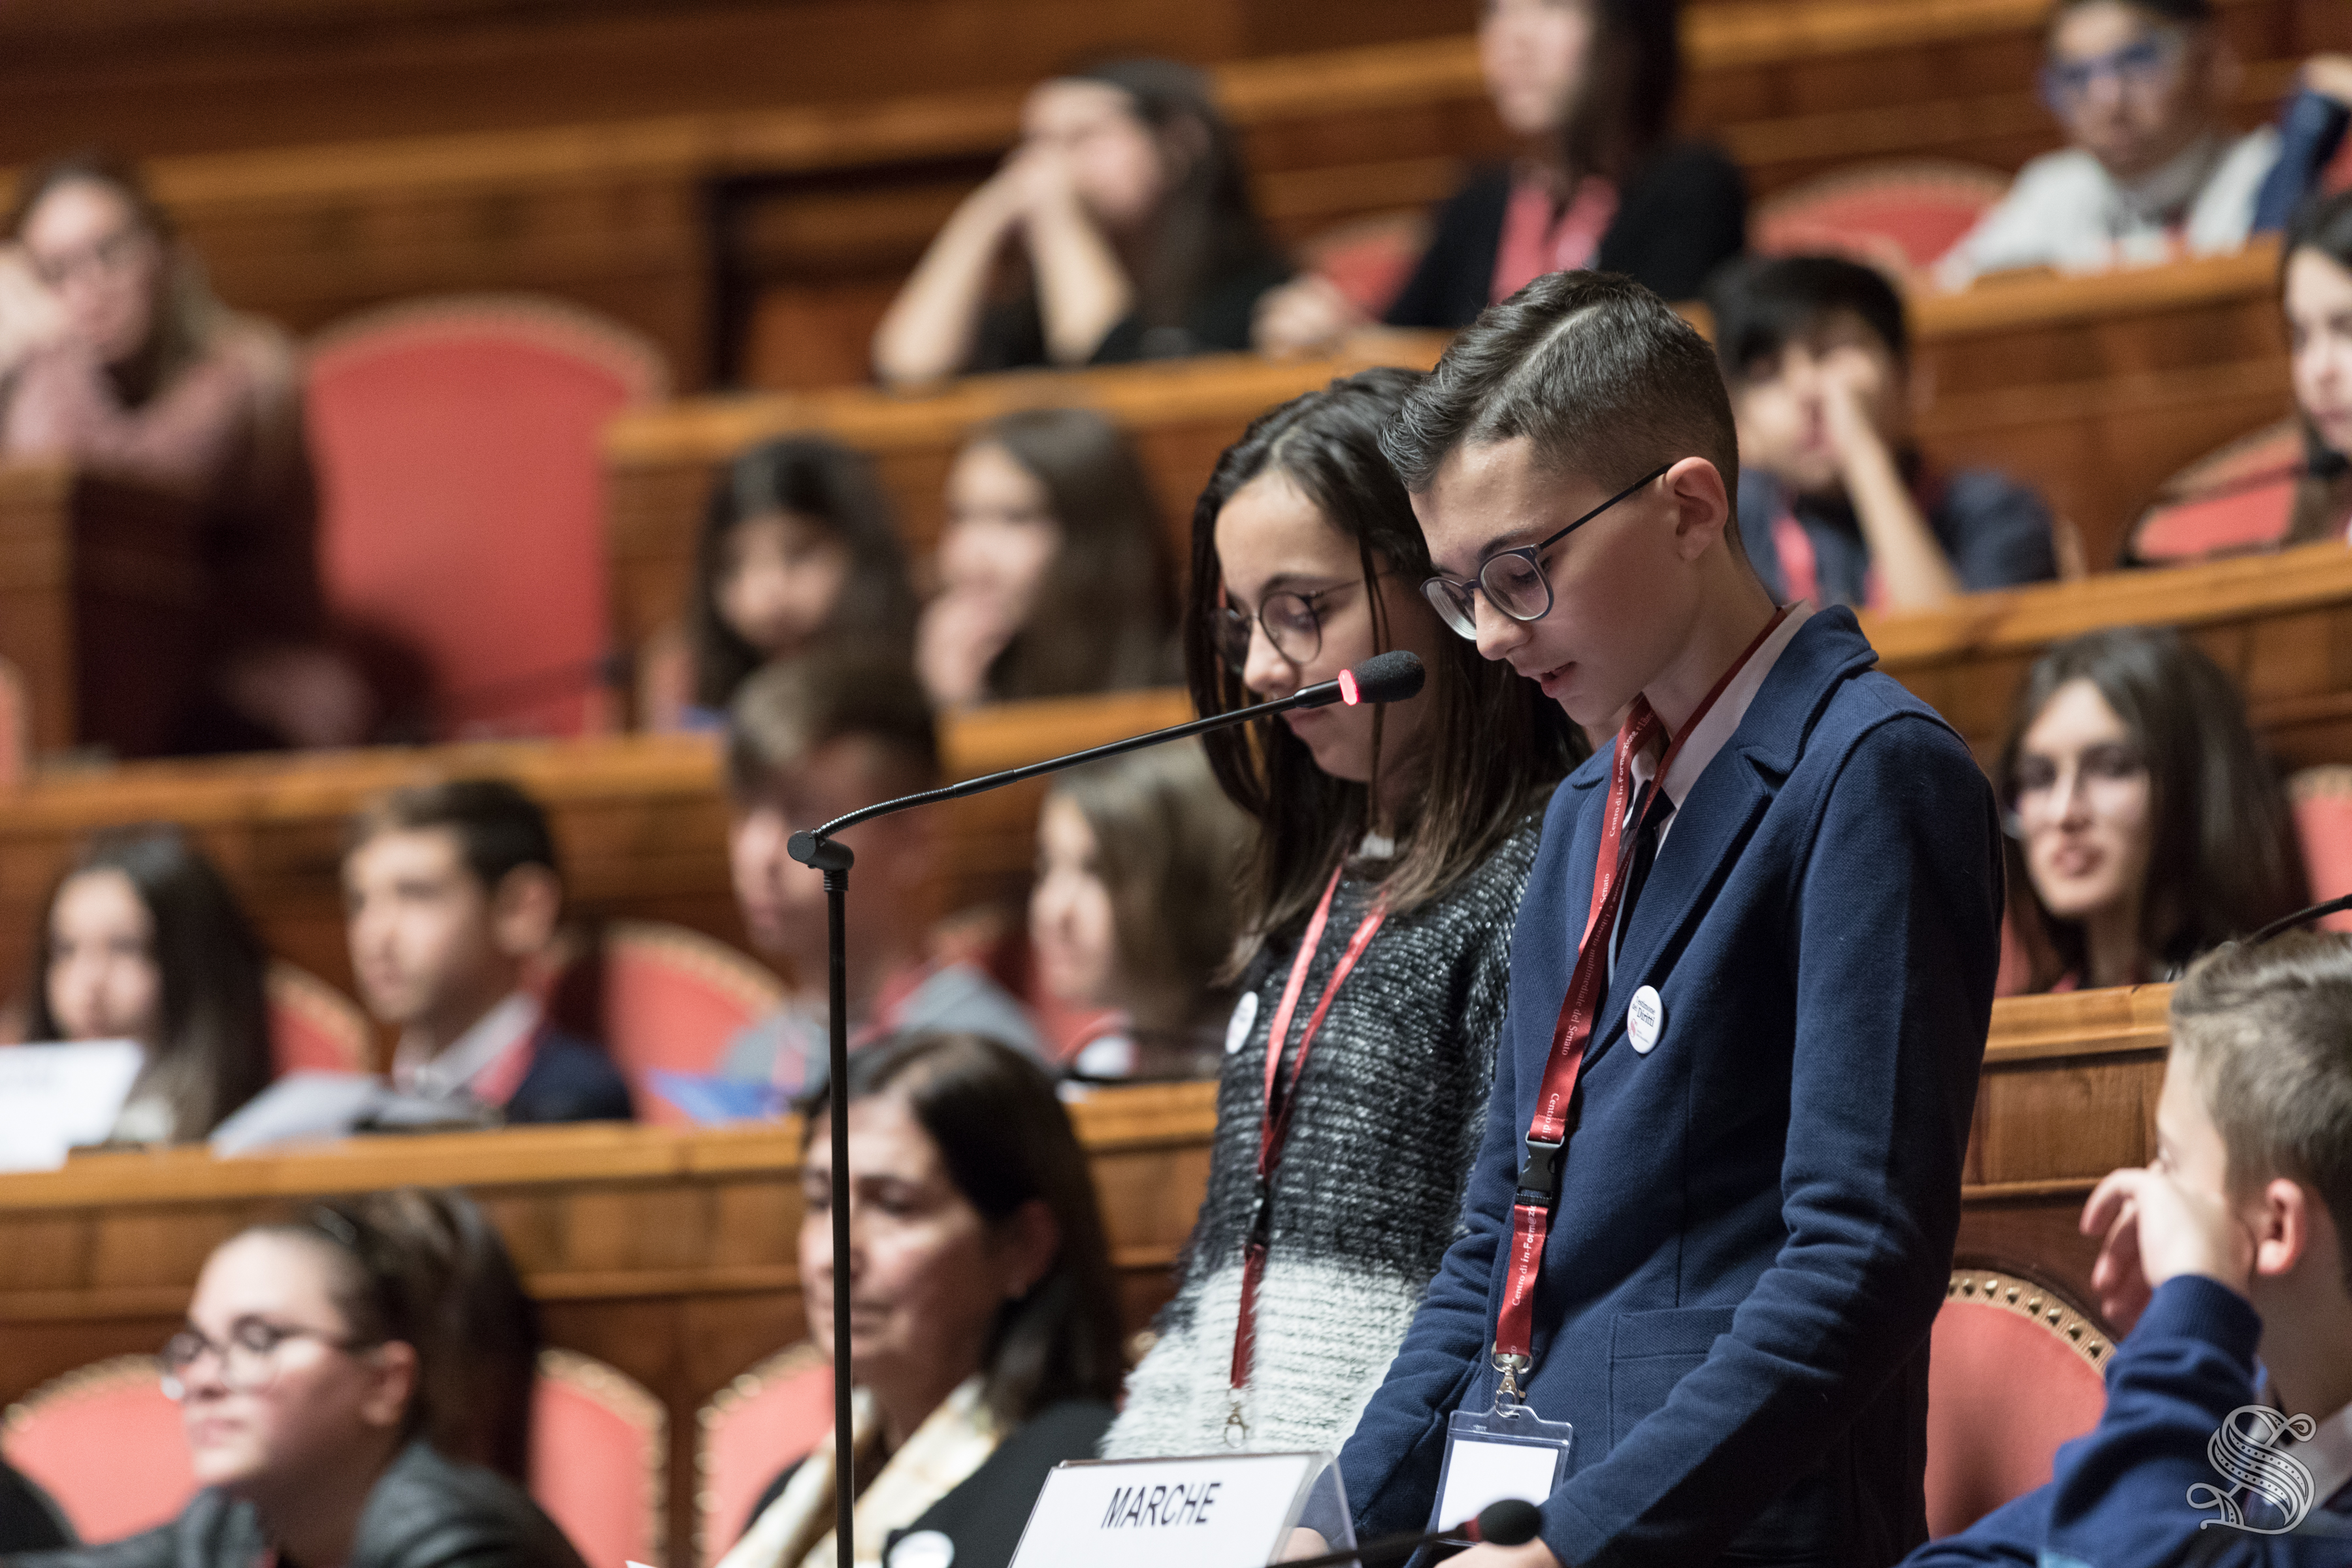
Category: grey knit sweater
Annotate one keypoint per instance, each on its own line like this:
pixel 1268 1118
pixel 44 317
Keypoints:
pixel 1368 1194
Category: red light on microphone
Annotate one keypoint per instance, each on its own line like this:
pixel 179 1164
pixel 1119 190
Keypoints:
pixel 1347 693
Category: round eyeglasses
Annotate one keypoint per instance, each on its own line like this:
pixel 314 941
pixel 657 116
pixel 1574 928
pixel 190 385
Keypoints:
pixel 1514 580
pixel 1292 623
pixel 248 1361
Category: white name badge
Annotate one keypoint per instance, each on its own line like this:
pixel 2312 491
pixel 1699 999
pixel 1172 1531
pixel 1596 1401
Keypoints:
pixel 1171 1513
pixel 56 1097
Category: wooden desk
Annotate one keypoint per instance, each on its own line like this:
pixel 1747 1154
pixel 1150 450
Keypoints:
pixel 2281 625
pixel 671 1255
pixel 640 822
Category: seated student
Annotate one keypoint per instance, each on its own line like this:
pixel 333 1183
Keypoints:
pixel 1836 505
pixel 452 889
pixel 2146 823
pixel 1053 571
pixel 1711 1220
pixel 2143 87
pixel 809 739
pixel 1587 88
pixel 145 942
pixel 1134 910
pixel 798 547
pixel 308 1377
pixel 114 354
pixel 2315 286
pixel 2229 1260
pixel 1127 215
pixel 986 1348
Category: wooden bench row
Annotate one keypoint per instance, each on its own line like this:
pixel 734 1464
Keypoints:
pixel 671 1256
pixel 760 243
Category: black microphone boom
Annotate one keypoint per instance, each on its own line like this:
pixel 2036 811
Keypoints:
pixel 1385 678
pixel 1507 1521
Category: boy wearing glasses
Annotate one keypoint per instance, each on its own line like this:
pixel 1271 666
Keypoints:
pixel 1833 495
pixel 1712 1215
pixel 2144 89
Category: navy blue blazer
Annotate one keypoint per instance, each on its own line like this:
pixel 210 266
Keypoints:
pixel 1757 1218
pixel 569 1079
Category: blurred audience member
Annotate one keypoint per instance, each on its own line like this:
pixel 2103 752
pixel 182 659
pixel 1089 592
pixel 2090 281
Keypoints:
pixel 798 547
pixel 29 1520
pixel 1588 88
pixel 984 1344
pixel 1133 910
pixel 452 890
pixel 2149 827
pixel 2316 285
pixel 809 739
pixel 310 1374
pixel 1053 570
pixel 114 354
pixel 1836 505
pixel 2144 89
pixel 145 942
pixel 1126 213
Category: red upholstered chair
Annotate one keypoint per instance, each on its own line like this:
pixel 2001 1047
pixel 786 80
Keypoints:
pixel 2014 1370
pixel 1899 215
pixel 462 497
pixel 774 1415
pixel 2238 499
pixel 599 1458
pixel 106 1445
pixel 664 996
pixel 1370 260
pixel 2322 798
pixel 314 1026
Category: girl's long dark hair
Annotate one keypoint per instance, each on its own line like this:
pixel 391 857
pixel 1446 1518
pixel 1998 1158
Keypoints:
pixel 1496 746
pixel 2221 859
pixel 1631 78
pixel 1208 226
pixel 2322 496
pixel 213 1052
pixel 1006 1142
pixel 819 479
pixel 1100 618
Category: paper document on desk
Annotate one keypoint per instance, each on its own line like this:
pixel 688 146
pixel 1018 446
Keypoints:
pixel 55 1098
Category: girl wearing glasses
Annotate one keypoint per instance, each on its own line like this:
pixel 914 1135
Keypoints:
pixel 2145 827
pixel 2144 89
pixel 1391 847
pixel 317 1374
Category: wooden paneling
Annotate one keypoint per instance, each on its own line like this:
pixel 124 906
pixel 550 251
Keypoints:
pixel 672 1254
pixel 640 822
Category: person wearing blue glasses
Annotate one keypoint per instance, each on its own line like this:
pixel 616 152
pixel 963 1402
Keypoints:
pixel 2155 172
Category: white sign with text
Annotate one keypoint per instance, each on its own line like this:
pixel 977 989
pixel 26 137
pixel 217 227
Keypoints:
pixel 55 1098
pixel 1234 1509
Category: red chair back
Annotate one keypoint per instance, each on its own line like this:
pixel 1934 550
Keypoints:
pixel 663 997
pixel 1901 216
pixel 462 498
pixel 599 1458
pixel 2239 499
pixel 106 1445
pixel 313 1025
pixel 772 1416
pixel 2013 1370
pixel 2322 798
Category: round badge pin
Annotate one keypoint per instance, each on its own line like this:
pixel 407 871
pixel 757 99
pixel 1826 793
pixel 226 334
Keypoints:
pixel 1237 1032
pixel 1645 1014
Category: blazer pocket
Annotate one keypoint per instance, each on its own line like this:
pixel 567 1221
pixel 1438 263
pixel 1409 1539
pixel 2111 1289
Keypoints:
pixel 1649 1353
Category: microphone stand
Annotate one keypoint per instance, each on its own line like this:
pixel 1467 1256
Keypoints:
pixel 1387 678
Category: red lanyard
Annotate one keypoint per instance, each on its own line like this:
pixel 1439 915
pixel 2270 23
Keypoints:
pixel 1540 1177
pixel 1282 1100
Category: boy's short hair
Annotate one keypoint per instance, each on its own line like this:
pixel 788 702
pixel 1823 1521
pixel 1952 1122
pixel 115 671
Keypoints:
pixel 2185 13
pixel 795 706
pixel 2267 1030
pixel 1760 305
pixel 1599 373
pixel 498 828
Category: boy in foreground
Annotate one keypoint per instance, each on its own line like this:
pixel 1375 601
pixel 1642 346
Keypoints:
pixel 2231 1246
pixel 1712 1219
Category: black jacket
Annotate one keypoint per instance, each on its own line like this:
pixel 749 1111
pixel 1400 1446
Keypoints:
pixel 29 1521
pixel 1680 217
pixel 425 1512
pixel 569 1079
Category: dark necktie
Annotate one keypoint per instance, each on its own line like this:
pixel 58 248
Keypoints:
pixel 1645 855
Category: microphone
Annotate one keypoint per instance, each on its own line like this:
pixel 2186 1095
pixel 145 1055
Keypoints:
pixel 1507 1521
pixel 1392 677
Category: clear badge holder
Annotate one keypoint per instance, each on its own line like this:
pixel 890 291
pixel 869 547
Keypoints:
pixel 1507 1451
